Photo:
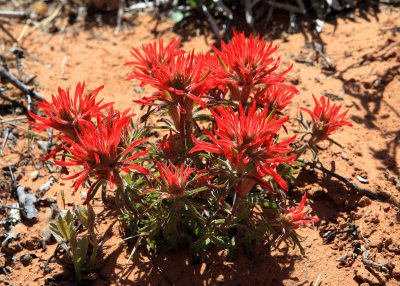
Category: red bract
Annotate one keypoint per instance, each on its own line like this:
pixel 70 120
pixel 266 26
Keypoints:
pixel 180 82
pixel 153 54
pixel 297 217
pixel 274 96
pixel 248 142
pixel 326 118
pixel 248 63
pixel 66 114
pixel 171 147
pixel 174 178
pixel 103 151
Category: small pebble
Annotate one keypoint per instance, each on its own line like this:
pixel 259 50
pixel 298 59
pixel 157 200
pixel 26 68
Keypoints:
pixel 42 144
pixel 26 259
pixel 345 156
pixel 138 89
pixel 35 175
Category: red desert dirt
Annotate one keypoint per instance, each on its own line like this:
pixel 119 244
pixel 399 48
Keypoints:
pixel 355 241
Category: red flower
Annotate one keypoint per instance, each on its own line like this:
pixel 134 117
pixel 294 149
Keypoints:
pixel 103 151
pixel 274 96
pixel 297 217
pixel 66 114
pixel 180 82
pixel 152 55
pixel 174 178
pixel 171 146
pixel 248 63
pixel 248 142
pixel 326 118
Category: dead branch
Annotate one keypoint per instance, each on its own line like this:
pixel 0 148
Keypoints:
pixel 8 33
pixel 18 84
pixel 13 14
pixel 367 192
pixel 212 22
pixel 6 132
pixel 10 207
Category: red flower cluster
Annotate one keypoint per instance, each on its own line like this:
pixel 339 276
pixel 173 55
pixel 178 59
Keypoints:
pixel 248 142
pixel 248 63
pixel 66 114
pixel 326 119
pixel 181 80
pixel 103 150
pixel 153 56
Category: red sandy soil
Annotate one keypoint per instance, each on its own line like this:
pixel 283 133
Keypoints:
pixel 366 51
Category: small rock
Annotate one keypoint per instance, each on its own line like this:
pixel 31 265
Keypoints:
pixel 364 201
pixel 368 230
pixel 35 175
pixel 396 272
pixel 138 89
pixel 345 156
pixel 26 258
pixel 373 219
pixel 365 276
pixel 46 268
pixel 43 144
pixel 394 247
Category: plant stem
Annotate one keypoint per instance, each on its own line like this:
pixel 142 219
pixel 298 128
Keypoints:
pixel 230 216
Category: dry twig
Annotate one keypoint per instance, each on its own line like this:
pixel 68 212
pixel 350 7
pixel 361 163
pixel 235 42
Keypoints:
pixel 18 84
pixel 362 190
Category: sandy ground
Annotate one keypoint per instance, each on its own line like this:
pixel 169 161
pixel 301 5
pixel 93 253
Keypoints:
pixel 366 80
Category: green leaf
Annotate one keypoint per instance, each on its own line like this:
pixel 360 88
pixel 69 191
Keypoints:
pixel 192 3
pixel 222 63
pixel 195 191
pixel 220 243
pixel 73 241
pixel 244 213
pixel 82 249
pixel 82 216
pixel 63 228
pixel 60 240
pixel 99 183
pixel 293 235
pixel 256 199
pixel 69 218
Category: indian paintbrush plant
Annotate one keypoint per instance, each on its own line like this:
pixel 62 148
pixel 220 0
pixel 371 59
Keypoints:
pixel 81 247
pixel 220 173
